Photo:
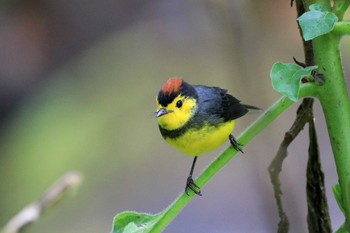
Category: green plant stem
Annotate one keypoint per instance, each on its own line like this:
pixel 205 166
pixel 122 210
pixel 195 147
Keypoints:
pixel 324 3
pixel 342 28
pixel 339 7
pixel 262 122
pixel 341 229
pixel 336 107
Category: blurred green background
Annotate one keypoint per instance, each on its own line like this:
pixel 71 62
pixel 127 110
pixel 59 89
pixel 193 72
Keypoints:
pixel 78 81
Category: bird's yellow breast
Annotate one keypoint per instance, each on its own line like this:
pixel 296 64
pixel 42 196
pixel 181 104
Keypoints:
pixel 198 141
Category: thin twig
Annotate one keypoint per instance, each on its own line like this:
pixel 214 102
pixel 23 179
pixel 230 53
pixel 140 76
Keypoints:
pixel 275 167
pixel 32 212
pixel 305 109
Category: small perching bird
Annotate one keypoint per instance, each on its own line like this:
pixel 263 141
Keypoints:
pixel 197 119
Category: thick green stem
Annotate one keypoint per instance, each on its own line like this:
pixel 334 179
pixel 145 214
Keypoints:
pixel 335 103
pixel 262 122
pixel 339 7
pixel 324 3
pixel 342 28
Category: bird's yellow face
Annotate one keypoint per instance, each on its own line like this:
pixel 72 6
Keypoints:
pixel 177 113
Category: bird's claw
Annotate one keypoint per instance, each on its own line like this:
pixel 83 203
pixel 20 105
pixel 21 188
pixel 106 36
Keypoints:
pixel 236 145
pixel 190 185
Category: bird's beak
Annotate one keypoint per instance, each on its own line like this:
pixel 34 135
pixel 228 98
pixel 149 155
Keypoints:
pixel 162 112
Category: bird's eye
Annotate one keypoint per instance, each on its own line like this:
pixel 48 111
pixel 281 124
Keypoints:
pixel 179 103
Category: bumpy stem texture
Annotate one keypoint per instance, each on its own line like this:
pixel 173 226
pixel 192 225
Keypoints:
pixel 335 103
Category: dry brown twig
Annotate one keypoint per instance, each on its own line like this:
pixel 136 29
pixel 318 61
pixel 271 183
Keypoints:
pixel 32 212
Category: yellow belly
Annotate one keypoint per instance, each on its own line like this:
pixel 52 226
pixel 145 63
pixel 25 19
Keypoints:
pixel 199 141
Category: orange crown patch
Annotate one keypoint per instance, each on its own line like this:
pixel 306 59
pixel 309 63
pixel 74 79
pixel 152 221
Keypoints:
pixel 172 85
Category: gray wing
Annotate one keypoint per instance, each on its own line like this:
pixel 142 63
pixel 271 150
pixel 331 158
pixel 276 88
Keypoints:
pixel 216 106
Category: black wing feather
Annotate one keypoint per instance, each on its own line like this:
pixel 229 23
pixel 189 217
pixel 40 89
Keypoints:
pixel 232 108
pixel 216 106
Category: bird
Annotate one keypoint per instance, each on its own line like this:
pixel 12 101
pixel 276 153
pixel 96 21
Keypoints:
pixel 197 119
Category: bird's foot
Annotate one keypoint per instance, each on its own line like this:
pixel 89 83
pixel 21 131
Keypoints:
pixel 236 145
pixel 190 185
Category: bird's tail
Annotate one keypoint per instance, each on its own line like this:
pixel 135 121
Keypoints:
pixel 253 109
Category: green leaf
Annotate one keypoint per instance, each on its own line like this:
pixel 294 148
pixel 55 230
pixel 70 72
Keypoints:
pixel 316 22
pixel 338 196
pixel 133 222
pixel 286 78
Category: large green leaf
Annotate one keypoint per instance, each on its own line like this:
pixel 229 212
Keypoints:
pixel 286 78
pixel 316 22
pixel 133 222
